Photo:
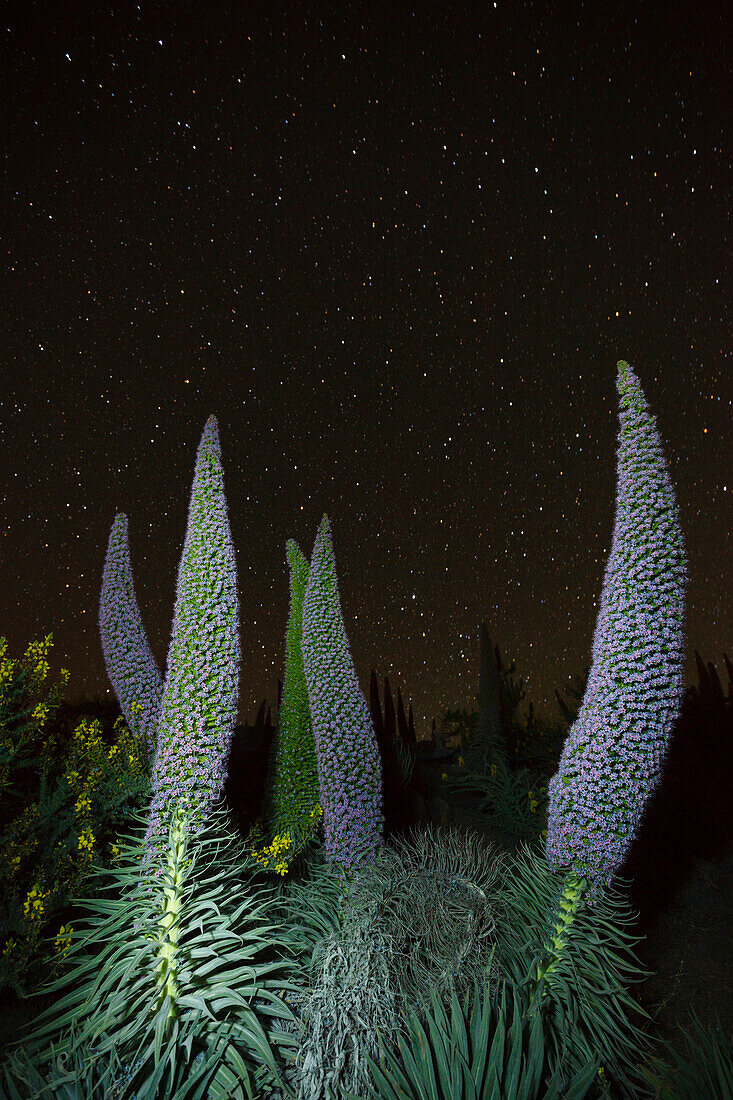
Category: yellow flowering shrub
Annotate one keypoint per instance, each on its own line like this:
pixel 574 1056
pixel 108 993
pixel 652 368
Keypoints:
pixel 79 787
pixel 22 718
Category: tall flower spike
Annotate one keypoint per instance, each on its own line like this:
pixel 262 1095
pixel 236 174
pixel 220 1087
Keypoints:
pixel 200 694
pixel 349 767
pixel 614 752
pixel 290 806
pixel 131 666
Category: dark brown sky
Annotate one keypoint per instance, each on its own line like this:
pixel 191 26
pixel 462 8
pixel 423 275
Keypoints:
pixel 398 255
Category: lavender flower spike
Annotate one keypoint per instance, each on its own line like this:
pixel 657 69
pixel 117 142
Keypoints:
pixel 131 666
pixel 201 687
pixel 614 752
pixel 349 766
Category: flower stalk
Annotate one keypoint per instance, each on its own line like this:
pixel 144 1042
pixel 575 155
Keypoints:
pixel 571 902
pixel 169 924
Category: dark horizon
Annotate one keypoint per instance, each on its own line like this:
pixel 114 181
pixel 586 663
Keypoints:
pixel 271 704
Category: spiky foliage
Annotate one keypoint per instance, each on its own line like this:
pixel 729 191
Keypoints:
pixel 406 743
pixel 349 769
pixel 487 746
pixel 514 801
pixel 433 893
pixel 421 917
pixel 576 964
pixel 398 753
pixel 291 811
pixel 199 706
pixel 482 1048
pixel 161 978
pixel 131 666
pixel 612 758
pixel 350 1005
pixel 703 1072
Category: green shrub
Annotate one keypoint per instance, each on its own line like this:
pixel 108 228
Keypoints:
pixel 24 710
pixel 421 918
pixel 703 1072
pixel 74 798
pixel 515 801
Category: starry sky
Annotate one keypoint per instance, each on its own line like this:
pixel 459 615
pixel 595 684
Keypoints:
pixel 397 250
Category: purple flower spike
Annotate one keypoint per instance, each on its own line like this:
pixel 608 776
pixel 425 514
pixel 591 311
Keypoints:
pixel 612 759
pixel 131 666
pixel 200 694
pixel 349 766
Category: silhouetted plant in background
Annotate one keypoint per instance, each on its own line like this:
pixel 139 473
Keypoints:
pixel 690 816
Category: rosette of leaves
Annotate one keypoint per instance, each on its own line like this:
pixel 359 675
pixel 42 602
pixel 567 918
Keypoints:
pixel 421 918
pixel 433 892
pixel 175 981
pixel 480 1048
pixel 576 963
pixel 291 812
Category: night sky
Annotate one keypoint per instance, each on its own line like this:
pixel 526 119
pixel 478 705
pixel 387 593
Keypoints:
pixel 397 250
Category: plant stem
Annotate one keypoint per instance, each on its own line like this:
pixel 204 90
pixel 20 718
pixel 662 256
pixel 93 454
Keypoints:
pixel 169 922
pixel 571 901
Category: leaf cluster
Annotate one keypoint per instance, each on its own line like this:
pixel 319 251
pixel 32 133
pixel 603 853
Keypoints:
pixel 216 1029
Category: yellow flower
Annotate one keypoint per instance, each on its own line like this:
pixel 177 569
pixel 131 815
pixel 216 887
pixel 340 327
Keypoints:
pixel 40 712
pixel 444 775
pixel 86 840
pixel 63 938
pixel 37 652
pixel 33 904
pixel 461 762
pixel 115 851
pixel 10 944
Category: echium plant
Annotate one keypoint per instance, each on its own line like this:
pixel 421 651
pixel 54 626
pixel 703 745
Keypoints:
pixel 163 975
pixel 199 705
pixel 131 666
pixel 291 810
pixel 349 767
pixel 614 752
